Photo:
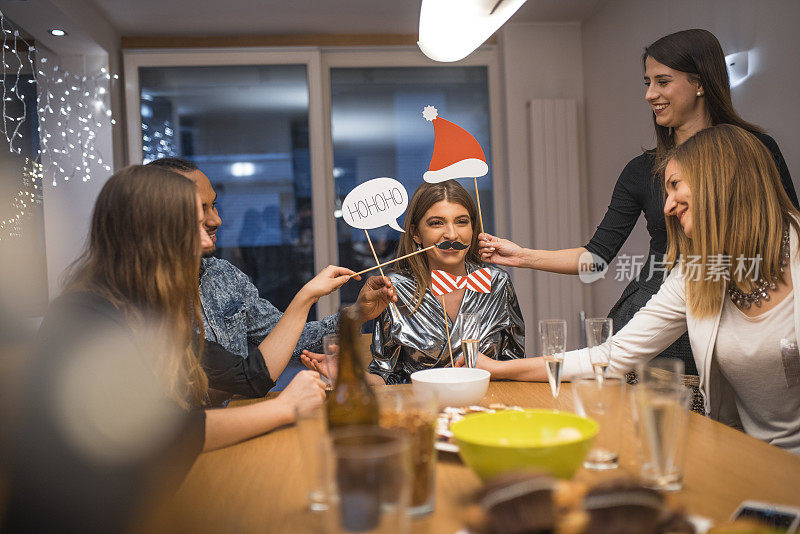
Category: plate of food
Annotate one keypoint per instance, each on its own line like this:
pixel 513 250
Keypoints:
pixel 452 414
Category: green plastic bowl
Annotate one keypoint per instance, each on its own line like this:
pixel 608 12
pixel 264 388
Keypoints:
pixel 495 443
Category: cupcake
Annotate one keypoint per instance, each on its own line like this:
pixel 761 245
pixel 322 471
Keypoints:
pixel 519 503
pixel 623 506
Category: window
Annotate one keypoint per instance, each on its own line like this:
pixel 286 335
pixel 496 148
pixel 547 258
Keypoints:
pixel 247 128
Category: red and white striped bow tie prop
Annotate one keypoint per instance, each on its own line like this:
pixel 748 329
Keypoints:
pixel 479 281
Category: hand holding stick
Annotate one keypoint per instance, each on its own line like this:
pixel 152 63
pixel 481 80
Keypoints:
pixel 379 266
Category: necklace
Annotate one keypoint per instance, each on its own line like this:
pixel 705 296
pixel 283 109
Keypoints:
pixel 763 286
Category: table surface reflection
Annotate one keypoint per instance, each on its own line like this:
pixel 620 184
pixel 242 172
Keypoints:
pixel 257 486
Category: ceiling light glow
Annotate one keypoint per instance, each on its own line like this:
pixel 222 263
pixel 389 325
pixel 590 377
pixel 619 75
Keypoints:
pixel 450 30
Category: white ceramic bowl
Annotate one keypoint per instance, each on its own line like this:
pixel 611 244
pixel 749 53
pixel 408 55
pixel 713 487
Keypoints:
pixel 454 386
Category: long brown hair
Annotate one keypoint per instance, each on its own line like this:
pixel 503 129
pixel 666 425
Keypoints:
pixel 424 197
pixel 698 53
pixel 739 209
pixel 143 256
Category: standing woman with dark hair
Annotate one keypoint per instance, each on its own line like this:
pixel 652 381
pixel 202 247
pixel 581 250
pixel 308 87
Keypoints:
pixel 688 90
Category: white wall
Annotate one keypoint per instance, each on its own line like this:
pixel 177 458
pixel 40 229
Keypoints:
pixel 539 61
pixel 618 121
pixel 93 43
pixel 68 205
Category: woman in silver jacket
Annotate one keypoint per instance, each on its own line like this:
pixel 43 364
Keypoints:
pixel 413 335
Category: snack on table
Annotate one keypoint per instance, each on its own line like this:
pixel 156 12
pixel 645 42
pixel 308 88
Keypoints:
pixel 517 503
pixel 675 522
pixel 623 506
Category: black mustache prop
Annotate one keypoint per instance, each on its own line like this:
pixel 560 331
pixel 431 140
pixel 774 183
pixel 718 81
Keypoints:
pixel 455 245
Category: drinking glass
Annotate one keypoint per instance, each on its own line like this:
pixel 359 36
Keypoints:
pixel 553 336
pixel 661 372
pixel 330 348
pixel 415 413
pixel 662 418
pixel 371 472
pixel 601 398
pixel 468 328
pixel 313 440
pixel 598 331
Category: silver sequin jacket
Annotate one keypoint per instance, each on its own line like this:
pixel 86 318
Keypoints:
pixel 404 342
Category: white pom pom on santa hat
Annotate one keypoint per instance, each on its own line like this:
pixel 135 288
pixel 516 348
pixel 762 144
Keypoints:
pixel 430 113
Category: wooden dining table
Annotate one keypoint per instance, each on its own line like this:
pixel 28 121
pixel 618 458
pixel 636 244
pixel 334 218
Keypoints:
pixel 259 485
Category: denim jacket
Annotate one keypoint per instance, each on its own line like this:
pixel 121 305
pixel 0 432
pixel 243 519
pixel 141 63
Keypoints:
pixel 234 314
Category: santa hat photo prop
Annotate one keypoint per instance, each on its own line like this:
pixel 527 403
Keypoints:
pixel 456 154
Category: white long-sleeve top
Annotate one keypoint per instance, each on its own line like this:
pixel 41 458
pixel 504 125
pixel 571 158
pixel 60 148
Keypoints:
pixel 663 320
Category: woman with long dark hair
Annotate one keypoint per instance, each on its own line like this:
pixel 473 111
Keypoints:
pixel 115 395
pixel 688 89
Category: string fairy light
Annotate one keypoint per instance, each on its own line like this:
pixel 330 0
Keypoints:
pixel 72 109
pixel 29 195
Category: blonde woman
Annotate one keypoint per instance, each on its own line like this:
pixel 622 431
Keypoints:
pixel 724 202
pixel 413 335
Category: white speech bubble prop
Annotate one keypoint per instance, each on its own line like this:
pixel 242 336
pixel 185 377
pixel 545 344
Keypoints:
pixel 375 203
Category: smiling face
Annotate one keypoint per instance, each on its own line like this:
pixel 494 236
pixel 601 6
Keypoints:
pixel 445 221
pixel 679 197
pixel 673 97
pixel 211 218
pixel 206 243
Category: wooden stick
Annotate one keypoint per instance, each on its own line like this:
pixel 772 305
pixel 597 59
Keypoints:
pixel 374 255
pixel 478 198
pixel 447 328
pixel 392 261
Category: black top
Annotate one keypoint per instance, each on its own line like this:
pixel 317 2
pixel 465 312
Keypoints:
pixel 229 372
pixel 96 433
pixel 638 190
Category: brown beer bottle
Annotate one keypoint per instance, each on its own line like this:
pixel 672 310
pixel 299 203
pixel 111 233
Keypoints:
pixel 352 401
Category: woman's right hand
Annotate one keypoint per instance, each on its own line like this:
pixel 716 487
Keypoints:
pixel 304 392
pixel 327 281
pixel 500 251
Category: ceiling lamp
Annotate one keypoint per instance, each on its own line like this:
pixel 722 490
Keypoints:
pixel 450 30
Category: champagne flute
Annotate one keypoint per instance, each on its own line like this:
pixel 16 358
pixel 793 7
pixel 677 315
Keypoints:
pixel 553 335
pixel 468 328
pixel 598 332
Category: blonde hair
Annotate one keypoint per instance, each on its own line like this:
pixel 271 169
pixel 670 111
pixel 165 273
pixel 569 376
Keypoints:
pixel 739 209
pixel 143 256
pixel 423 199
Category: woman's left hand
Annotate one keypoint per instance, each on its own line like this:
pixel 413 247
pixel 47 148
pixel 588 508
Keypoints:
pixel 377 293
pixel 315 362
pixel 483 362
